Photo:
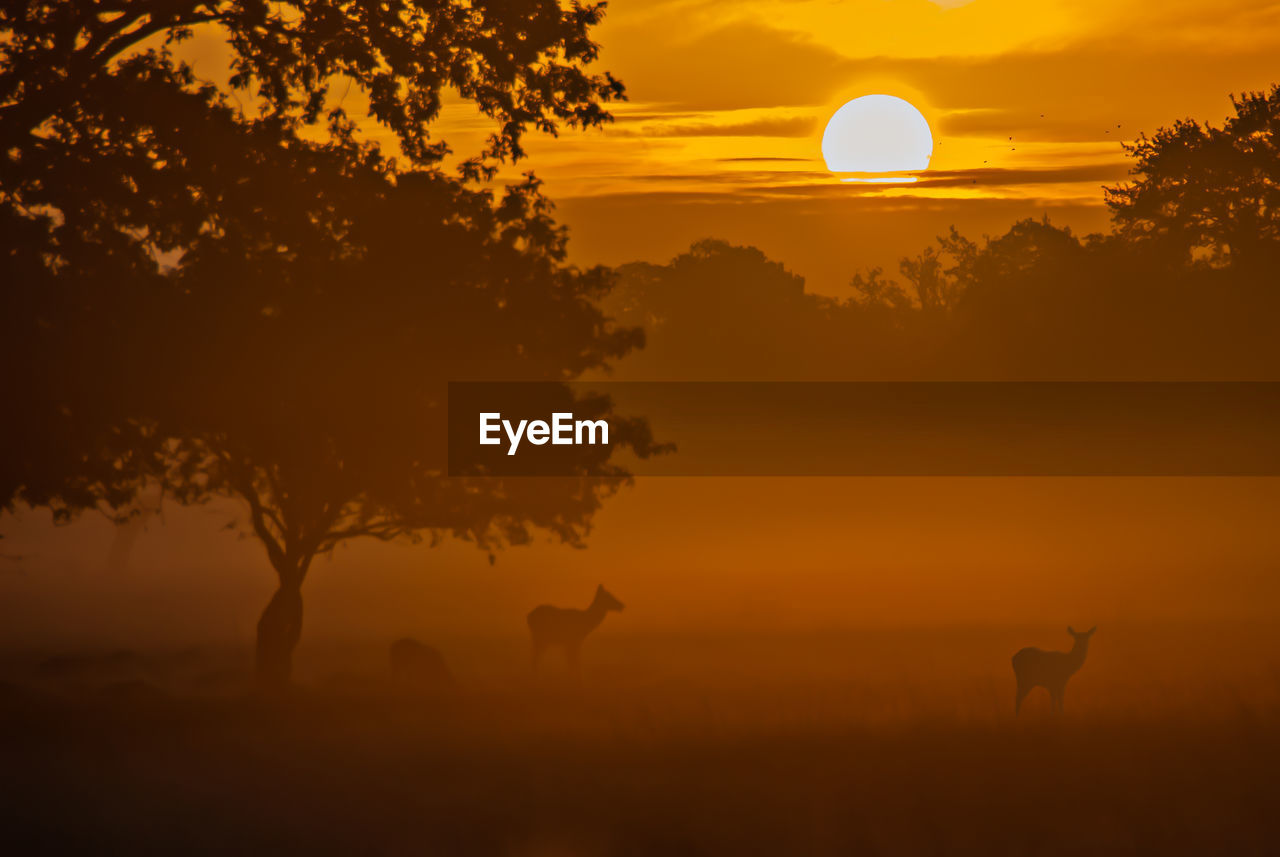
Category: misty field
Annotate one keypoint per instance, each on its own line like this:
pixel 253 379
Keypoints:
pixel 876 742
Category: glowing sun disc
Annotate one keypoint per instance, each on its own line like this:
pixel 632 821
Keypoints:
pixel 877 134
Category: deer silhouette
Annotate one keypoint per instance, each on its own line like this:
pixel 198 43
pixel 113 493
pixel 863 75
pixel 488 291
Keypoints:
pixel 1050 670
pixel 417 666
pixel 567 627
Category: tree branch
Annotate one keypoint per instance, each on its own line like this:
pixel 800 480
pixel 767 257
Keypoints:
pixel 382 532
pixel 25 115
pixel 261 517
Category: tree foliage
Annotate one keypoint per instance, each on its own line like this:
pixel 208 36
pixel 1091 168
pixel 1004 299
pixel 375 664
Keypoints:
pixel 118 163
pixel 1207 192
pixel 1183 287
pixel 521 62
pixel 258 302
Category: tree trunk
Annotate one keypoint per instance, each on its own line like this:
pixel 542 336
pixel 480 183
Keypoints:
pixel 279 630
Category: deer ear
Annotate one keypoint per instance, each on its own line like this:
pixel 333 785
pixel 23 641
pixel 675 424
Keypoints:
pixel 1071 631
pixel 1091 630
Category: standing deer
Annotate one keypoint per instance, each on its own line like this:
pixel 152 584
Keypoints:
pixel 1050 670
pixel 567 627
pixel 417 666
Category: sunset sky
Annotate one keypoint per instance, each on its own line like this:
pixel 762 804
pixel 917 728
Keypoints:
pixel 1028 103
pixel 728 100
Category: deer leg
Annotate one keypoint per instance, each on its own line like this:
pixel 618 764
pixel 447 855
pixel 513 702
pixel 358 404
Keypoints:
pixel 1023 690
pixel 1057 699
pixel 537 654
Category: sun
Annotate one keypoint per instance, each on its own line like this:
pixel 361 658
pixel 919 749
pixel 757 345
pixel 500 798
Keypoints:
pixel 877 134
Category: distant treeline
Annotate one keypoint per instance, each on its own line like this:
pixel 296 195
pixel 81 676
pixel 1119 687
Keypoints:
pixel 1184 286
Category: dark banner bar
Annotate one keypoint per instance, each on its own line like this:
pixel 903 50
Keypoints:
pixel 867 429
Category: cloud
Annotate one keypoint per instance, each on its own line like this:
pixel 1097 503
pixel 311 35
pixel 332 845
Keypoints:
pixel 985 177
pixel 747 180
pixel 1083 87
pixel 1024 126
pixel 789 127
pixel 740 65
pixel 756 185
pixel 622 115
pixel 1009 177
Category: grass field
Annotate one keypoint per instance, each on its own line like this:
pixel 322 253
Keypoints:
pixel 875 742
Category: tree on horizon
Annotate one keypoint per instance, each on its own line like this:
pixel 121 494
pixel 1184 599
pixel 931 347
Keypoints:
pixel 1181 288
pixel 1204 192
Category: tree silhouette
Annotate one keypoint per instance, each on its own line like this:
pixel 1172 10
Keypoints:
pixel 1182 287
pixel 521 62
pixel 723 312
pixel 102 127
pixel 266 306
pixel 1037 302
pixel 1208 192
pixel 327 411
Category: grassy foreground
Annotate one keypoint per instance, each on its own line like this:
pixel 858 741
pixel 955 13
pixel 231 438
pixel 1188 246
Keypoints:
pixel 838 744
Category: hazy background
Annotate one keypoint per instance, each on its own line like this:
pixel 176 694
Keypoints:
pixel 691 555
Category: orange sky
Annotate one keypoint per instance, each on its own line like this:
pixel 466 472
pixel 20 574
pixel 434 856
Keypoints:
pixel 728 99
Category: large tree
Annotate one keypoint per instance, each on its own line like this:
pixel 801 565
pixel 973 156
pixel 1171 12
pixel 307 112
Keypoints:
pixel 338 316
pixel 253 301
pixel 1205 192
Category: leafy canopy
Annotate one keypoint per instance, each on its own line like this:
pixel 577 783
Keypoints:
pixel 1208 192
pixel 231 301
pixel 521 62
